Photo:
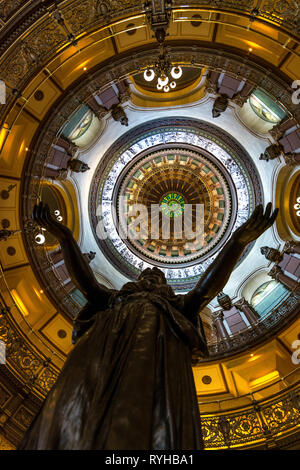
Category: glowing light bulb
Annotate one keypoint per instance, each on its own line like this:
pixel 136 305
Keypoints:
pixel 176 72
pixel 57 213
pixel 166 88
pixel 173 84
pixel 159 86
pixel 149 75
pixel 59 218
pixel 163 80
pixel 40 239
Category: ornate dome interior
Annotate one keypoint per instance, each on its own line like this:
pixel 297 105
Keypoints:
pixel 84 130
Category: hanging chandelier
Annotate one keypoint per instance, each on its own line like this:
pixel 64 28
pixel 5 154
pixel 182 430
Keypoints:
pixel 165 74
pixel 158 16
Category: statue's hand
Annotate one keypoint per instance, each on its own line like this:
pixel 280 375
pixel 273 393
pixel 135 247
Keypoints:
pixel 257 224
pixel 41 214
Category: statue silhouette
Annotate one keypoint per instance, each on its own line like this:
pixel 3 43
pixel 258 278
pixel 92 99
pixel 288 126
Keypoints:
pixel 128 382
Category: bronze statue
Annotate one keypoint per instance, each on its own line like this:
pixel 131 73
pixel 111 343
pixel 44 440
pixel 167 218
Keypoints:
pixel 128 383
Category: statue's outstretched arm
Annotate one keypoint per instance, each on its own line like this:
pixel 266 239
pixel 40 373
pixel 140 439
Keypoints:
pixel 217 275
pixel 78 268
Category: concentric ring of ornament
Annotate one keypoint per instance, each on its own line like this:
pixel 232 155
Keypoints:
pixel 157 176
pixel 172 204
pixel 198 136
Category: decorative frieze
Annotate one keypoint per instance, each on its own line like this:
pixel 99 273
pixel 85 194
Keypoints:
pixel 277 274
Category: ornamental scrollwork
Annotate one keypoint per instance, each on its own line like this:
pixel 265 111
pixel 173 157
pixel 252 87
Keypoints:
pixel 283 12
pixel 21 358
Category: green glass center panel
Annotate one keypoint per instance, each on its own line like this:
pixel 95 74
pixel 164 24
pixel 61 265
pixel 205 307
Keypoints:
pixel 172 205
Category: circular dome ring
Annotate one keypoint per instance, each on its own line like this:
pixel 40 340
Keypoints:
pixel 231 202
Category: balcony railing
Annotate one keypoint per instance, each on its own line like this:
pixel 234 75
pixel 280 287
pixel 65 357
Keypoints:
pixel 31 362
pixel 265 327
pixel 266 423
pixel 225 423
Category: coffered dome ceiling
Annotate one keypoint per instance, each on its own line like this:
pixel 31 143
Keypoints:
pixel 176 164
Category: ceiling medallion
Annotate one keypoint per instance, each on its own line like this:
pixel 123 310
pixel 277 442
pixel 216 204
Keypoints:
pixel 196 181
pixel 172 163
pixel 172 205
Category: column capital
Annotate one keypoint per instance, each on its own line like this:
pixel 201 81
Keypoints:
pixel 287 281
pixel 241 302
pixel 219 325
pixel 218 316
pixel 291 158
pixel 67 145
pixel 276 132
pixel 291 246
pixel 211 86
pixel 239 99
pixel 99 110
pixel 275 272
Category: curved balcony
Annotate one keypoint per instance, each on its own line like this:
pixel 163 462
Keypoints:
pixel 239 422
pixel 266 327
pixel 271 422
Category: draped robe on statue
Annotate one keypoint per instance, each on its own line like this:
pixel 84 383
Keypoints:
pixel 128 383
